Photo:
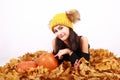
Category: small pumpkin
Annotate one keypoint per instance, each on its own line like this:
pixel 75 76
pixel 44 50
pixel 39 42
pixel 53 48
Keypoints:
pixel 25 65
pixel 47 60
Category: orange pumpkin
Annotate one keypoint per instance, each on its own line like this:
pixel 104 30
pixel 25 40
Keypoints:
pixel 25 65
pixel 47 60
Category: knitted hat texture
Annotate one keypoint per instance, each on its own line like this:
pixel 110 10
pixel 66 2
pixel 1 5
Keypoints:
pixel 60 19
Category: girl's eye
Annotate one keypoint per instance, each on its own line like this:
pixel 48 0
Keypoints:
pixel 55 31
pixel 60 28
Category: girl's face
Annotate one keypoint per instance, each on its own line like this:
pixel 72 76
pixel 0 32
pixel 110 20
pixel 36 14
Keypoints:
pixel 62 32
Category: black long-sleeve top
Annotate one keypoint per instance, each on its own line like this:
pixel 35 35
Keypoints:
pixel 75 55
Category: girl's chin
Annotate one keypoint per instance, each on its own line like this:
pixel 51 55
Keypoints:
pixel 63 39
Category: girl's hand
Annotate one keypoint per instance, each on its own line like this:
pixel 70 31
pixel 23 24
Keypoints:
pixel 63 52
pixel 76 64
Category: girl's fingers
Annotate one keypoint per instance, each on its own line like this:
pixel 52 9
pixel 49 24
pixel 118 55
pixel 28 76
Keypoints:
pixel 56 55
pixel 76 64
pixel 59 56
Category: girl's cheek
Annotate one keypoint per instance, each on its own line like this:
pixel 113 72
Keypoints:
pixel 56 34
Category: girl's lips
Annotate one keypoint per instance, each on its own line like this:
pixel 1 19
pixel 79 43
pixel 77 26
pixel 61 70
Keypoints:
pixel 61 36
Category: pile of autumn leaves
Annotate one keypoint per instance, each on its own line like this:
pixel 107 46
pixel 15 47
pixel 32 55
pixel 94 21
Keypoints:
pixel 103 65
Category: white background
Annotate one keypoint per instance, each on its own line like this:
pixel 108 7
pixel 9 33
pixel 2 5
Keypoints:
pixel 24 24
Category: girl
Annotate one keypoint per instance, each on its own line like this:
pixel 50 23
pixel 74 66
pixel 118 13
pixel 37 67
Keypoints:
pixel 68 46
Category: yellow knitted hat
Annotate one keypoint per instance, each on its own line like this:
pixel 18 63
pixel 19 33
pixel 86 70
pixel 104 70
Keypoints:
pixel 60 19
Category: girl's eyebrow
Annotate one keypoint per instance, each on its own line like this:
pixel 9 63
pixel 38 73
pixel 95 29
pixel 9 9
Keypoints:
pixel 60 26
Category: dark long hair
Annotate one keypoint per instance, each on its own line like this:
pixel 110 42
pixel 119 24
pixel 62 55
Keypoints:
pixel 72 42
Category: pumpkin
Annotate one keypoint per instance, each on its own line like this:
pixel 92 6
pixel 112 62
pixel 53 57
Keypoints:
pixel 47 60
pixel 25 65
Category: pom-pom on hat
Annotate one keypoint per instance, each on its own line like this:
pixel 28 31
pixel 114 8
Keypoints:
pixel 60 19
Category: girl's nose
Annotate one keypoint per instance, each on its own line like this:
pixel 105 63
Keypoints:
pixel 59 33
